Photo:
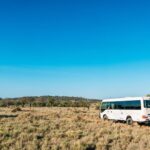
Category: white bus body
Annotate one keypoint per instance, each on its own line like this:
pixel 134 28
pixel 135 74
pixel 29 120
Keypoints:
pixel 127 109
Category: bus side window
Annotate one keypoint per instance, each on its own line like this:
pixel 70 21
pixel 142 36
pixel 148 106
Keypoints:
pixel 112 105
pixel 103 107
pixel 108 105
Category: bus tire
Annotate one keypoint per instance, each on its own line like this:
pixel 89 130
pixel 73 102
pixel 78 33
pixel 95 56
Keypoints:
pixel 129 121
pixel 105 117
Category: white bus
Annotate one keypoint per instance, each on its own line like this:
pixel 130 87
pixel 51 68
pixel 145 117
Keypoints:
pixel 127 109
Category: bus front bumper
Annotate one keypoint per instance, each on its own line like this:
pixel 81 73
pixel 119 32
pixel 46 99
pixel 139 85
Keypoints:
pixel 147 122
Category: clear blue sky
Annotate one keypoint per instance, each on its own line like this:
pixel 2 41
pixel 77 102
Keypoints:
pixel 95 49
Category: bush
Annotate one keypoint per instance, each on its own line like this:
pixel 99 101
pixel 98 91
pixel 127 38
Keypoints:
pixel 47 101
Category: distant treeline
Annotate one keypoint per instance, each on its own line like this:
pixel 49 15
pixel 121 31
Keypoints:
pixel 47 101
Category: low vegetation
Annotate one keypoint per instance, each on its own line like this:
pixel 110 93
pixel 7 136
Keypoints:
pixel 67 128
pixel 47 101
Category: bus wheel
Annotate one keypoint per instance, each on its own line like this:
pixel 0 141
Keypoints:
pixel 105 117
pixel 129 121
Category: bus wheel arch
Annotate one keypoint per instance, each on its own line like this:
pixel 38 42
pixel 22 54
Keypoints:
pixel 105 117
pixel 129 120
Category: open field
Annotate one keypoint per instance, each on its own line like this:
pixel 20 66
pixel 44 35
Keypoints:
pixel 67 128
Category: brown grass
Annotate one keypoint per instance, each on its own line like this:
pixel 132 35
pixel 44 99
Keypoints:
pixel 16 109
pixel 67 128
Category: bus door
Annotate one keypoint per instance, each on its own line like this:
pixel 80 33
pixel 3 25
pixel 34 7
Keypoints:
pixel 122 111
pixel 111 111
pixel 114 113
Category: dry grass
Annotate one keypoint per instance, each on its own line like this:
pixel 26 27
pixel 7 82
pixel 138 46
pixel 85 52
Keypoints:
pixel 67 128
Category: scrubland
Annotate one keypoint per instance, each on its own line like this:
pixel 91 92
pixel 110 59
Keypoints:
pixel 66 128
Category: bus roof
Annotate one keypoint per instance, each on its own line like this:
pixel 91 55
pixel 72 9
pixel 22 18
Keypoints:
pixel 126 99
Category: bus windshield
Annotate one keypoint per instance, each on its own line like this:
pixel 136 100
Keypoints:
pixel 147 103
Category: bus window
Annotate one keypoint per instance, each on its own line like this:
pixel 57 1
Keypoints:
pixel 105 105
pixel 147 103
pixel 112 105
pixel 132 105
